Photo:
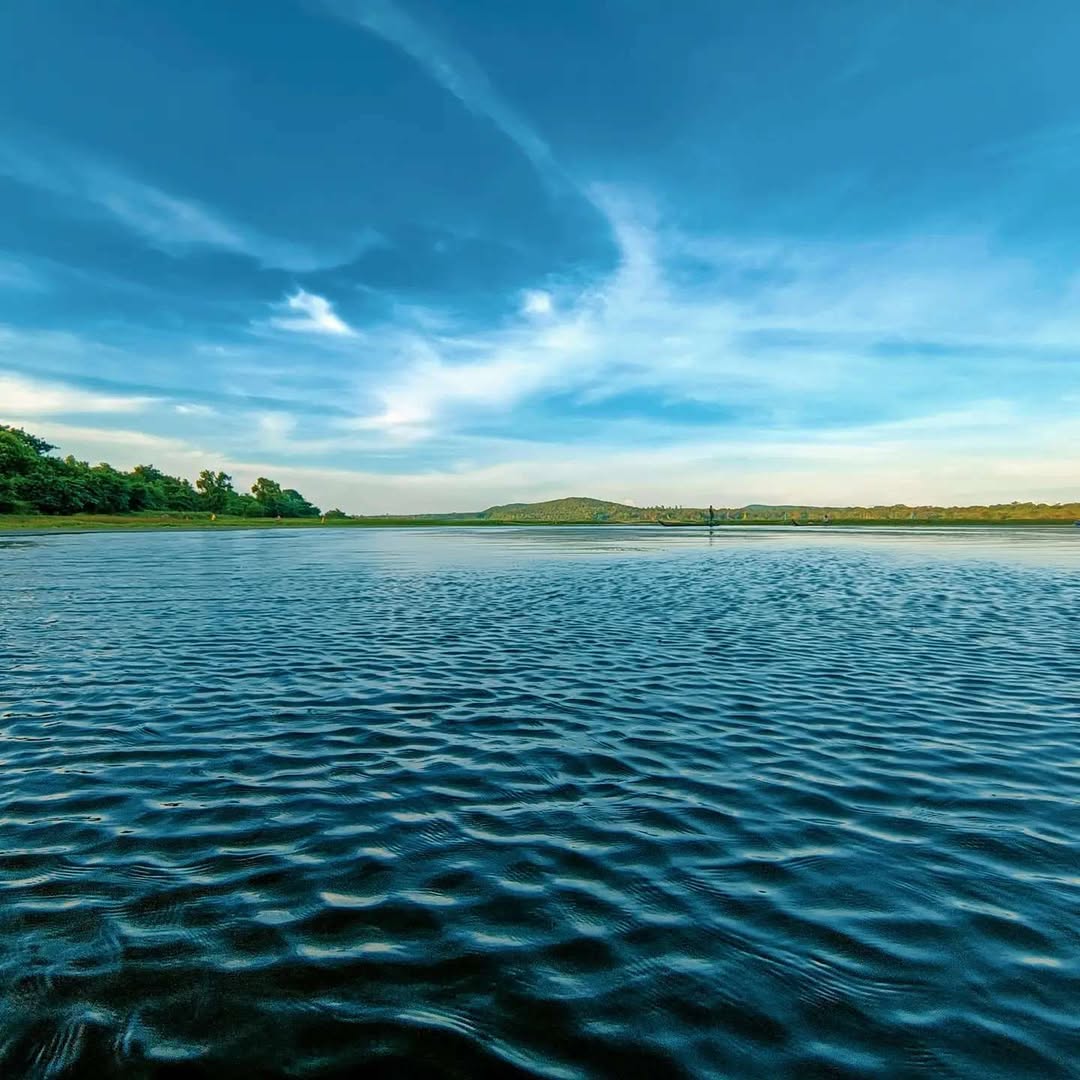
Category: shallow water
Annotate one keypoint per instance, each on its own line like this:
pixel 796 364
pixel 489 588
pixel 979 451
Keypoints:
pixel 560 803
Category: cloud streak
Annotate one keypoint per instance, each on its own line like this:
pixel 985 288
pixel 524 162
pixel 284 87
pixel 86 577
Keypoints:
pixel 24 398
pixel 166 221
pixel 451 68
pixel 17 275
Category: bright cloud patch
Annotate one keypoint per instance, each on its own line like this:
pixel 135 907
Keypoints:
pixel 536 302
pixel 316 316
pixel 792 335
pixel 21 397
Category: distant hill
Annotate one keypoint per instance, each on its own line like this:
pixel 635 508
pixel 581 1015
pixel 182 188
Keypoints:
pixel 585 510
pixel 568 510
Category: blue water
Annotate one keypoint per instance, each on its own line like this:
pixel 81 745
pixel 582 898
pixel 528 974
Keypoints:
pixel 552 803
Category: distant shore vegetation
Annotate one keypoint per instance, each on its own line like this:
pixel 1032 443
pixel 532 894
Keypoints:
pixel 36 485
pixel 596 510
pixel 35 481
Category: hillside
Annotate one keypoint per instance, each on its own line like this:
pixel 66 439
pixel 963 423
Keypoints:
pixel 567 510
pixel 598 510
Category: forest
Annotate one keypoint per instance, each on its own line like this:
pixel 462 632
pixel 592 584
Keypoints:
pixel 35 481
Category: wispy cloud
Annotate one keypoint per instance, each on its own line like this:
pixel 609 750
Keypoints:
pixel 15 274
pixel 453 69
pixel 21 397
pixel 767 332
pixel 167 221
pixel 275 429
pixel 316 315
pixel 124 448
pixel 791 336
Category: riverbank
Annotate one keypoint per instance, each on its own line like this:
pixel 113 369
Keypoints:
pixel 43 523
pixel 197 521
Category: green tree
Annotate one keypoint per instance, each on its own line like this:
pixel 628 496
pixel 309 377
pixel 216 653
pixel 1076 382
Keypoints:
pixel 32 480
pixel 246 506
pixel 108 491
pixel 215 488
pixel 296 506
pixel 39 446
pixel 269 496
pixel 18 459
pixel 276 501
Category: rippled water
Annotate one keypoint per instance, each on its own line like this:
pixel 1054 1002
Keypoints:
pixel 560 803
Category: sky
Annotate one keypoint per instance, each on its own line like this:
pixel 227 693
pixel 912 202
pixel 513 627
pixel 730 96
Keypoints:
pixel 407 255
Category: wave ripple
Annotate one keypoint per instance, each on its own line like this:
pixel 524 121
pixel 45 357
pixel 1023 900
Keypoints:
pixel 570 803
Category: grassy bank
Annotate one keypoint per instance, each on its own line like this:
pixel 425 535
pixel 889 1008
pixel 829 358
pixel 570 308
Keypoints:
pixel 189 521
pixel 891 523
pixel 200 521
pixel 179 521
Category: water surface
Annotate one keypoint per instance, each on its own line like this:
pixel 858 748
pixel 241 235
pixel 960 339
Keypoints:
pixel 541 803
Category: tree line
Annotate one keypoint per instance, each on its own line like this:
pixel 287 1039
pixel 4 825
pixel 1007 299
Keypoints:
pixel 596 510
pixel 897 512
pixel 35 481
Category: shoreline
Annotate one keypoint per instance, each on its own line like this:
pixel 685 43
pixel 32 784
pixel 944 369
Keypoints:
pixel 94 523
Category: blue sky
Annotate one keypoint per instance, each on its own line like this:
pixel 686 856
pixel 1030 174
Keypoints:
pixel 419 255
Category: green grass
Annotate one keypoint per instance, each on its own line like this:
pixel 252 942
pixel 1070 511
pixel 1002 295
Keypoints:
pixel 188 521
pixel 181 521
pixel 898 523
pixel 185 521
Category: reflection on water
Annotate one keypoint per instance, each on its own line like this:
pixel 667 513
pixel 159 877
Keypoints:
pixel 540 802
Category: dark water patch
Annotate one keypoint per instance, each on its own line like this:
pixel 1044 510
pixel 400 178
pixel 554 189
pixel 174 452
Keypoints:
pixel 560 804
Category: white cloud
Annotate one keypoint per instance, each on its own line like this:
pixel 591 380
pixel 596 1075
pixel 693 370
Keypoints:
pixel 275 429
pixel 765 328
pixel 124 448
pixel 167 221
pixel 788 335
pixel 762 329
pixel 536 302
pixel 316 316
pixel 195 410
pixel 21 397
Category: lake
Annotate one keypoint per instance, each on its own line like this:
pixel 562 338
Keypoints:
pixel 579 802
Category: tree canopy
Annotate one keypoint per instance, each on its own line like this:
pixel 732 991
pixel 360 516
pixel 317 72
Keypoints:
pixel 34 480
